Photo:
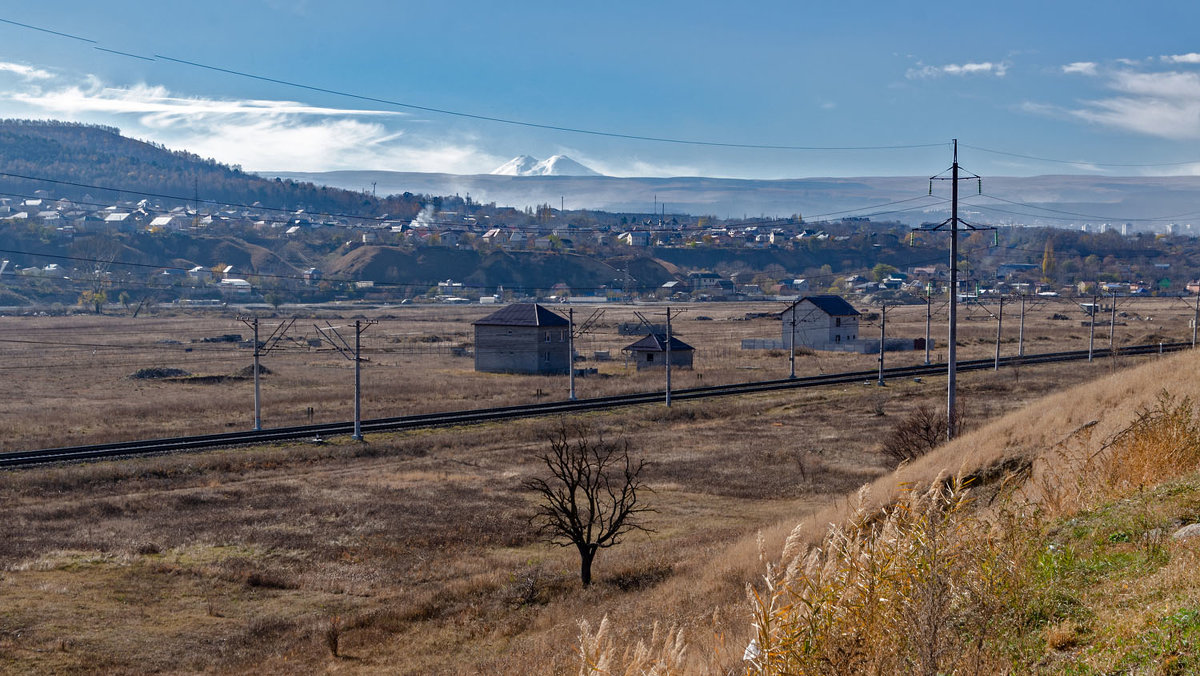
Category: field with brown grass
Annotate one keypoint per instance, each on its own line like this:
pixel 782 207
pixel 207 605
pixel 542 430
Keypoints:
pixel 68 379
pixel 412 553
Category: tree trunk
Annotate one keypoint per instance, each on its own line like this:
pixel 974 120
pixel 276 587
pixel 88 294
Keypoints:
pixel 587 552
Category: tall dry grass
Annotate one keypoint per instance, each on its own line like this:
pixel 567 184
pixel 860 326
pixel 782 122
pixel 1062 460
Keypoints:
pixel 917 575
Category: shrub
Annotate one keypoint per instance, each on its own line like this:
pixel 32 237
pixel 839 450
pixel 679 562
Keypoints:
pixel 918 433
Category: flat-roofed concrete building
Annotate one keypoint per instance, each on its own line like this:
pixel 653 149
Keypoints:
pixel 523 338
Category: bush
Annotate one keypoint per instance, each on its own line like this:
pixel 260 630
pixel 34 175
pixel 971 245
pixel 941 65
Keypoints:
pixel 918 433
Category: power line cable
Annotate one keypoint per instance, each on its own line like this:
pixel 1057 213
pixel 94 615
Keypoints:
pixel 475 116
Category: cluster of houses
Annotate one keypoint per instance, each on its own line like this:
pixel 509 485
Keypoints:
pixel 432 227
pixel 532 339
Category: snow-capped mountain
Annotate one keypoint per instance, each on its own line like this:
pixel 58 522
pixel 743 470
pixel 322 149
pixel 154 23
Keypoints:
pixel 556 165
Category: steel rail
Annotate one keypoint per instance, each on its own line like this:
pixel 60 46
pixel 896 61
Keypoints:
pixel 472 416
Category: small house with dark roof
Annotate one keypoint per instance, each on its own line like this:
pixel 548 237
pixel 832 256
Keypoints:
pixel 523 338
pixel 651 352
pixel 823 322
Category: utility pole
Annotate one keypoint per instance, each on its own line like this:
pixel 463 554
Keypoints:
pixel 952 223
pixel 1112 326
pixel 576 332
pixel 571 349
pixel 257 391
pixel 358 329
pixel 261 348
pixel 1092 329
pixel 668 356
pixel 928 319
pixel 1021 333
pixel 882 338
pixel 999 325
pixel 1195 320
pixel 354 354
pixel 792 344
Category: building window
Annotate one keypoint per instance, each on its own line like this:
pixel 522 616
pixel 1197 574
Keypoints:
pixel 837 321
pixel 837 338
pixel 562 336
pixel 547 336
pixel 650 356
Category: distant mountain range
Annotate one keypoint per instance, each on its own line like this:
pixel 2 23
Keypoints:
pixel 1148 203
pixel 556 165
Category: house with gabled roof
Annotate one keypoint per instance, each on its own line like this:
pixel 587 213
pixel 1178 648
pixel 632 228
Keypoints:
pixel 523 338
pixel 822 322
pixel 651 352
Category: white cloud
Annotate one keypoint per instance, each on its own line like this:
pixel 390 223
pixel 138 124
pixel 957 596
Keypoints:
pixel 160 108
pixel 327 145
pixel 998 69
pixel 256 133
pixel 1166 105
pixel 1191 57
pixel 1080 68
pixel 26 72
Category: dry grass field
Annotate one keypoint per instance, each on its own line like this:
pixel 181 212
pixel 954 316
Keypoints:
pixel 67 379
pixel 414 550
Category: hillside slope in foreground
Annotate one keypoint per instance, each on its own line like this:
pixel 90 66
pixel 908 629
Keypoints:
pixel 1061 538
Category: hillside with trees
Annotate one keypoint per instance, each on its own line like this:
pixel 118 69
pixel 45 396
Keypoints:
pixel 91 155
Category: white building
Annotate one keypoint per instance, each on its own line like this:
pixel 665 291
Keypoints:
pixel 822 322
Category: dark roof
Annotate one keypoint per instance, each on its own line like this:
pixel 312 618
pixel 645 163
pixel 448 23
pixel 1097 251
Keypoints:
pixel 657 342
pixel 523 314
pixel 834 306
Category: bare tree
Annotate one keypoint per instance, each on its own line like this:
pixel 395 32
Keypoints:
pixel 592 496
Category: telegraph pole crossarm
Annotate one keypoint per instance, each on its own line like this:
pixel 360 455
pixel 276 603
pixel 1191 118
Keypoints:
pixel 952 224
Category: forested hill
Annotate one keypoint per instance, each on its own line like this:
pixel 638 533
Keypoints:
pixel 99 156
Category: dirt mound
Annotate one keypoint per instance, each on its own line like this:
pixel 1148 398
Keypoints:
pixel 248 371
pixel 157 372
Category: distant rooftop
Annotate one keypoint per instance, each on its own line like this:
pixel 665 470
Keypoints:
pixel 657 342
pixel 834 306
pixel 523 314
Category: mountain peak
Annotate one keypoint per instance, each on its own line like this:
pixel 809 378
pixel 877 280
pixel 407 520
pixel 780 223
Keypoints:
pixel 556 165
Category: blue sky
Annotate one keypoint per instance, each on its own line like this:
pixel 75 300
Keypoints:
pixel 1081 82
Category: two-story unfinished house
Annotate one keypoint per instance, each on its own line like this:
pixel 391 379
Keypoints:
pixel 822 322
pixel 523 338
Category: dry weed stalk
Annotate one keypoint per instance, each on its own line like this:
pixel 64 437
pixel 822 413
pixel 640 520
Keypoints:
pixel 1162 442
pixel 913 588
pixel 664 655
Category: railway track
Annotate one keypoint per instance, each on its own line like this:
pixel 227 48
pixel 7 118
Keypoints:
pixel 207 441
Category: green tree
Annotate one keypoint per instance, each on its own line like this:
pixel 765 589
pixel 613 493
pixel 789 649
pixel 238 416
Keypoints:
pixel 881 271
